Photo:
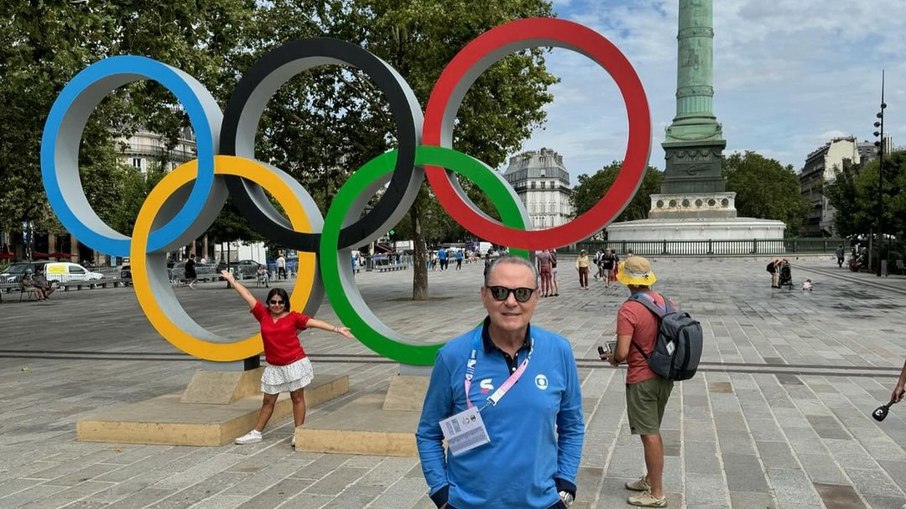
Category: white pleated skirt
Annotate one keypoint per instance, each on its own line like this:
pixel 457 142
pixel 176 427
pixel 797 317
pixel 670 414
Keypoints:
pixel 292 377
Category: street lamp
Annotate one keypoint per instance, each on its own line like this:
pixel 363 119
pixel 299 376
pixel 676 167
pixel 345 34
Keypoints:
pixel 880 144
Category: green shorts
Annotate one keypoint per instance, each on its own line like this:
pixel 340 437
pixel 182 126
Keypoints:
pixel 645 402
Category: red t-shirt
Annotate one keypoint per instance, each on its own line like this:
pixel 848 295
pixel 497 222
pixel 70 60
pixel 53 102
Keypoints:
pixel 281 344
pixel 636 320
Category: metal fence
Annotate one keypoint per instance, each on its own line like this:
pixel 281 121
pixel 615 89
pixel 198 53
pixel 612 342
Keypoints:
pixel 749 247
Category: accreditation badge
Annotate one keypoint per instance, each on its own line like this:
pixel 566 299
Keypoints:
pixel 464 431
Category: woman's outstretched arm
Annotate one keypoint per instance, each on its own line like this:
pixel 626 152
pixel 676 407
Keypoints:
pixel 241 290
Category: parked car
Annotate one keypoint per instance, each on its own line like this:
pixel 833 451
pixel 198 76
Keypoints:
pixel 68 271
pixel 15 271
pixel 203 272
pixel 244 269
pixel 125 271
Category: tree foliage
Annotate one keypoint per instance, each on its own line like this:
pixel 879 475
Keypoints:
pixel 320 126
pixel 44 44
pixel 854 194
pixel 766 189
pixel 591 188
pixel 326 123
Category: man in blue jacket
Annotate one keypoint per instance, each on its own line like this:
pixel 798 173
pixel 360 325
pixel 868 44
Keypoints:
pixel 510 445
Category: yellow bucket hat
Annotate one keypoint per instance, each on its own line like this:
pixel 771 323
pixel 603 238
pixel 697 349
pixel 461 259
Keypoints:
pixel 636 271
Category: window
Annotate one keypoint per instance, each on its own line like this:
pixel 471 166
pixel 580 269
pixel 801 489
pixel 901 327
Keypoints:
pixel 136 162
pixel 543 185
pixel 533 185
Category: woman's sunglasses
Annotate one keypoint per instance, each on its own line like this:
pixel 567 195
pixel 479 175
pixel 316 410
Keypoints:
pixel 502 293
pixel 275 302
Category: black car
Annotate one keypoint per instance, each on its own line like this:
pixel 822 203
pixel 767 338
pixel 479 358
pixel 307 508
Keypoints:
pixel 14 272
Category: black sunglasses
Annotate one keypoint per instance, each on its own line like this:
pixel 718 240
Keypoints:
pixel 502 293
pixel 275 302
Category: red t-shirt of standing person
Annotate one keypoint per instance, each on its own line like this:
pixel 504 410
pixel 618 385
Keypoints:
pixel 281 342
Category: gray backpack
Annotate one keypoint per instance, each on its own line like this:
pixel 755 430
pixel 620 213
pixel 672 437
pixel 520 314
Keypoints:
pixel 678 347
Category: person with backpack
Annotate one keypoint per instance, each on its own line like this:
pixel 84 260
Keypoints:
pixel 608 264
pixel 647 392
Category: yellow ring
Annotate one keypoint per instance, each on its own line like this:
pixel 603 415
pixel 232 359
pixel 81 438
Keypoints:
pixel 180 176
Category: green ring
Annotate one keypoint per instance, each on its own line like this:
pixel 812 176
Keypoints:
pixel 365 326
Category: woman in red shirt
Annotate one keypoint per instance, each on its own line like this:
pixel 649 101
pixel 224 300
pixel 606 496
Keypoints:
pixel 288 369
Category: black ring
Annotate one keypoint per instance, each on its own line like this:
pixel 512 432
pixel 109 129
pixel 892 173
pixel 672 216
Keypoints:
pixel 245 107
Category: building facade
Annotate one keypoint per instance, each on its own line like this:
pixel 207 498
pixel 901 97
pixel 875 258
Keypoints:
pixel 144 148
pixel 820 170
pixel 542 182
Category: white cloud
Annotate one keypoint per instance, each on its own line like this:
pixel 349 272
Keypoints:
pixel 788 76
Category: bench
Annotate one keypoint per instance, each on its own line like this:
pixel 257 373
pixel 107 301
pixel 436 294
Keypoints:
pixel 389 268
pixel 112 282
pixel 31 291
pixel 9 287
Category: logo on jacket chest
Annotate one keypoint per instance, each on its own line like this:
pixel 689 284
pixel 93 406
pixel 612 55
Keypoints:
pixel 487 385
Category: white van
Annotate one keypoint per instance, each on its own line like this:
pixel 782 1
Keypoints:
pixel 67 271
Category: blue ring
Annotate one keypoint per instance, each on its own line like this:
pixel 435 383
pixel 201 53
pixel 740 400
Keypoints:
pixel 122 70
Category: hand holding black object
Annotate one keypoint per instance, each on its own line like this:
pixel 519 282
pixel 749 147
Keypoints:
pixel 880 413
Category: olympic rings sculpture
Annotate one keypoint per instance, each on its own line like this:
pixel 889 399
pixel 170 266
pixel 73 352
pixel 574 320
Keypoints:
pixel 187 201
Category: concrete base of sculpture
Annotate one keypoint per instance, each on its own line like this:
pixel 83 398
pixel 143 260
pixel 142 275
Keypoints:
pixel 377 423
pixel 699 236
pixel 213 410
pixel 693 206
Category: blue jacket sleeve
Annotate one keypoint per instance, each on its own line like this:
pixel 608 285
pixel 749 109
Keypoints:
pixel 570 423
pixel 438 405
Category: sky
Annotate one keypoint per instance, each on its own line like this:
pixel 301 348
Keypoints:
pixel 788 77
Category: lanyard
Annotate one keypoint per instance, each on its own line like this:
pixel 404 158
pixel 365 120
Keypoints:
pixel 501 391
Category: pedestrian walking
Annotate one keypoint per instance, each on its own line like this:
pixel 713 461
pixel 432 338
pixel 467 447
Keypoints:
pixel 555 285
pixel 191 275
pixel 281 267
pixel 543 259
pixel 582 263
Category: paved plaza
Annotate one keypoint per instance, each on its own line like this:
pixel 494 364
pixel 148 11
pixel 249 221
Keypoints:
pixel 778 416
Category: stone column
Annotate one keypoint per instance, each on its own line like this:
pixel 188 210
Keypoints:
pixel 694 142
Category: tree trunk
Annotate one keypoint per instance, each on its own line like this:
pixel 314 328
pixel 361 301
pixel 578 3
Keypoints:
pixel 420 257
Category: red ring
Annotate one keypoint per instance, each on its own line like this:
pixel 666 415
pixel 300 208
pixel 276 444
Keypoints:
pixel 544 32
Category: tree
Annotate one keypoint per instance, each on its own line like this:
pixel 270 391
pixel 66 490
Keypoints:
pixel 325 124
pixel 765 189
pixel 854 195
pixel 44 44
pixel 591 188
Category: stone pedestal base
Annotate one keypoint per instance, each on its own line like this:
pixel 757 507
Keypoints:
pixel 693 206
pixel 378 423
pixel 168 420
pixel 699 236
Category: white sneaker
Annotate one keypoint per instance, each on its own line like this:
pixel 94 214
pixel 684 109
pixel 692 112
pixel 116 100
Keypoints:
pixel 293 443
pixel 251 437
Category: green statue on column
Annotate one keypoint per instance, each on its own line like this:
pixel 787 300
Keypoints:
pixel 694 142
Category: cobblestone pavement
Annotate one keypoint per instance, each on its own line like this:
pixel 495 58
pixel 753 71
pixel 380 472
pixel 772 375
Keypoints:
pixel 779 415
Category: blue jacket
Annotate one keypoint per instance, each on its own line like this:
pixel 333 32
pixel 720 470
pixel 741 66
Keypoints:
pixel 536 429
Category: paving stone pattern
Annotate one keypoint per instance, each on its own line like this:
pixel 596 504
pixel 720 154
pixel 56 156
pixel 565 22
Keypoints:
pixel 779 417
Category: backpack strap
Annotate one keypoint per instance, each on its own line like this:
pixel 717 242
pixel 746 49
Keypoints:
pixel 647 300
